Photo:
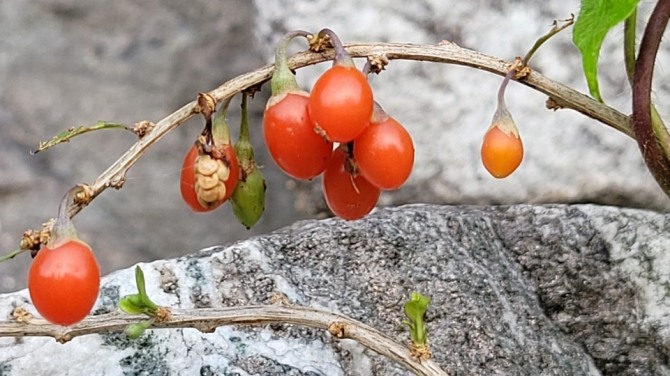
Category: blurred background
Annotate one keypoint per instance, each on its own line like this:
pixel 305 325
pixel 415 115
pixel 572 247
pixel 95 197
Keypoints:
pixel 68 63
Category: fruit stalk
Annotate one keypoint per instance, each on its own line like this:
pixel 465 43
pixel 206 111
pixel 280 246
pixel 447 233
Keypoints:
pixel 342 57
pixel 63 229
pixel 283 80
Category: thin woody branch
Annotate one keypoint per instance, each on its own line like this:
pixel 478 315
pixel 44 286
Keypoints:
pixel 208 319
pixel 445 52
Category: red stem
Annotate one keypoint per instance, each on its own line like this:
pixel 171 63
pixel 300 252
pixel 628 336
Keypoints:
pixel 342 57
pixel 503 87
pixel 654 156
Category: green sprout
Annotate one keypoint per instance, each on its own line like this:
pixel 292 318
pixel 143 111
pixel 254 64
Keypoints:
pixel 415 310
pixel 141 304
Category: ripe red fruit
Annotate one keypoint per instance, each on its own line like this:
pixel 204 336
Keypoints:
pixel 63 282
pixel 207 181
pixel 384 152
pixel 348 194
pixel 341 103
pixel 290 137
pixel 502 151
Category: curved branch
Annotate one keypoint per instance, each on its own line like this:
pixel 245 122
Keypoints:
pixel 444 52
pixel 652 136
pixel 208 319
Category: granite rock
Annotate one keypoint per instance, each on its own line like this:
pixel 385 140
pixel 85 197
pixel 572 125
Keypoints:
pixel 516 290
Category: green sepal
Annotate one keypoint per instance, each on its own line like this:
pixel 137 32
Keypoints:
pixel 248 199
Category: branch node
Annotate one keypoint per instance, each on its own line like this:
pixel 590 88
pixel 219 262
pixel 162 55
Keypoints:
pixel 521 70
pixel 420 352
pixel 279 299
pixel 143 127
pixel 338 329
pixel 33 240
pixel 63 338
pixel 118 182
pixel 21 315
pixel 30 240
pixel 206 328
pixel 378 63
pixel 163 314
pixel 319 42
pixel 205 104
pixel 448 43
pixel 84 195
pixel 553 104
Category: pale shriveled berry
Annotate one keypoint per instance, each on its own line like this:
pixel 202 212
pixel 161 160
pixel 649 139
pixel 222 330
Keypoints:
pixel 208 180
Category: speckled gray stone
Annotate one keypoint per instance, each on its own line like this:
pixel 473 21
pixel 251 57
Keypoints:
pixel 516 290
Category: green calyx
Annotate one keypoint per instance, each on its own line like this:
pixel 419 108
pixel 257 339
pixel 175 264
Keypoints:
pixel 283 79
pixel 63 229
pixel 248 199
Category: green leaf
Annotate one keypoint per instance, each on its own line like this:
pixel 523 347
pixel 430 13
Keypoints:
pixel 137 304
pixel 73 132
pixel 132 304
pixel 596 18
pixel 139 279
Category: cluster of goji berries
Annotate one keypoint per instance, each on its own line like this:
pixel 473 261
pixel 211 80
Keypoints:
pixel 337 131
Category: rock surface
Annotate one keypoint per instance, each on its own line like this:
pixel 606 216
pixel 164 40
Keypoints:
pixel 516 290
